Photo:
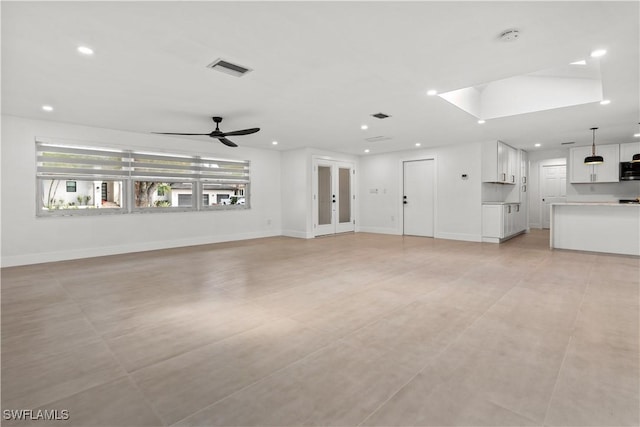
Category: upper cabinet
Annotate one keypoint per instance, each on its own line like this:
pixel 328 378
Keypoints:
pixel 608 171
pixel 628 150
pixel 499 163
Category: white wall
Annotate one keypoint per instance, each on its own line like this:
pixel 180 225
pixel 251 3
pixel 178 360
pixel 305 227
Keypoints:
pixel 296 189
pixel 458 201
pixel 28 239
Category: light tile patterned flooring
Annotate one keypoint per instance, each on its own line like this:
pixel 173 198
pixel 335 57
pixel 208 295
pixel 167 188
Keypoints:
pixel 356 329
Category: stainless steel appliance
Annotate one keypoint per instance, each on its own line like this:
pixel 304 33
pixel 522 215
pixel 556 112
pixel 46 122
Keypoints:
pixel 629 171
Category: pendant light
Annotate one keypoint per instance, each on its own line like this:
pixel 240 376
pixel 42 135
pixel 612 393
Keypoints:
pixel 593 159
pixel 636 157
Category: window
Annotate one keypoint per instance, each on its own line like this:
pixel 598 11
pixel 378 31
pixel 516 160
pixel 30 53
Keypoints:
pixel 106 180
pixel 95 176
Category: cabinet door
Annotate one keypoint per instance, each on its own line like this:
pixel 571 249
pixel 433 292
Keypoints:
pixel 492 221
pixel 628 150
pixel 503 162
pixel 512 166
pixel 508 220
pixel 580 173
pixel 609 171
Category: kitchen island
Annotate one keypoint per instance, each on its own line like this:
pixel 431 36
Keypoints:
pixel 596 227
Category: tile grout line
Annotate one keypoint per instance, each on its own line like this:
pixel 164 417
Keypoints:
pixel 436 356
pixel 113 355
pixel 566 350
pixel 337 340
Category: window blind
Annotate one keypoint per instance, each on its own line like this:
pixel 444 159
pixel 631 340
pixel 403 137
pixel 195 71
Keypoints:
pixel 55 161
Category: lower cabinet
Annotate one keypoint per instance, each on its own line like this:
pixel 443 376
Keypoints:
pixel 501 221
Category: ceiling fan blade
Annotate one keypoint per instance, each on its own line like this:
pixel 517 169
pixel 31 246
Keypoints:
pixel 172 133
pixel 228 143
pixel 240 132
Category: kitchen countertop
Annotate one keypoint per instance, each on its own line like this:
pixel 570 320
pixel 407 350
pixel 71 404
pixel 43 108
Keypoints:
pixel 596 227
pixel 595 204
pixel 500 203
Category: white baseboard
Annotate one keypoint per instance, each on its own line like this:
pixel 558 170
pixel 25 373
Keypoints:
pixel 297 234
pixel 38 258
pixel 379 230
pixel 459 236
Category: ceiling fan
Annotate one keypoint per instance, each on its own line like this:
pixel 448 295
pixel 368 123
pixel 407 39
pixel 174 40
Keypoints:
pixel 221 136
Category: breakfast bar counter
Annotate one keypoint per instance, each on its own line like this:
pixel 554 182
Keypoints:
pixel 596 227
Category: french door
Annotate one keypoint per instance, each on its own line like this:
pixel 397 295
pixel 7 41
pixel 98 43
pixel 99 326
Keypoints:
pixel 333 197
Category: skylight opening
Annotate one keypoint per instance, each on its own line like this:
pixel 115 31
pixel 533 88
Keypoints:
pixel 543 90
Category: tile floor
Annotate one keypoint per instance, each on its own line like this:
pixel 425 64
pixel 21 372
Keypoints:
pixel 356 329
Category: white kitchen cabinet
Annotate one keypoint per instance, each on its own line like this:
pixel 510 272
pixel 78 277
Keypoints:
pixel 501 221
pixel 628 150
pixel 513 165
pixel 499 163
pixel 608 171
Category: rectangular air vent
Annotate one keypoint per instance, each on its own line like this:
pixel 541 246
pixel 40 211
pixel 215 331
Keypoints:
pixel 380 115
pixel 567 143
pixel 377 138
pixel 228 67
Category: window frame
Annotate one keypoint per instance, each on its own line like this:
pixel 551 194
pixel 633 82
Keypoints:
pixel 134 166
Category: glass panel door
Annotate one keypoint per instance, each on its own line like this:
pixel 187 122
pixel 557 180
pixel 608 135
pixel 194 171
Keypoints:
pixel 333 193
pixel 344 194
pixel 324 195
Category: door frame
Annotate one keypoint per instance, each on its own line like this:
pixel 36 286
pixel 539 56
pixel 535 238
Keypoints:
pixel 324 161
pixel 400 210
pixel 541 165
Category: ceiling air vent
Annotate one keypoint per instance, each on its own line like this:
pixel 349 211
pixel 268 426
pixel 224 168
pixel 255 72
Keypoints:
pixel 229 68
pixel 377 138
pixel 567 143
pixel 380 115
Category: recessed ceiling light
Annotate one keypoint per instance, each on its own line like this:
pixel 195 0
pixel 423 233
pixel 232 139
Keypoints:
pixel 605 102
pixel 537 145
pixel 598 53
pixel 275 142
pixel 418 144
pixel 85 50
pixel 47 108
pixel 481 122
pixel 366 150
pixel 432 92
pixel 581 62
pixel 364 127
pixel 636 135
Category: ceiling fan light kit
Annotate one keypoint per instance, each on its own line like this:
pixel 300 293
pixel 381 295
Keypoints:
pixel 217 133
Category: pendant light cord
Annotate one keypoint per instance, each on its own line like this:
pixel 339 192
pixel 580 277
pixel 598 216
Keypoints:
pixel 593 145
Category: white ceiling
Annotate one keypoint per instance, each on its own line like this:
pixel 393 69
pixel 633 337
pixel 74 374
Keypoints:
pixel 320 69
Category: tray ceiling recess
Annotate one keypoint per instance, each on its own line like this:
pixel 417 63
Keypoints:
pixel 572 84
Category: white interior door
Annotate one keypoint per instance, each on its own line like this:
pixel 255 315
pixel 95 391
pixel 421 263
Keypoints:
pixel 553 189
pixel 418 197
pixel 333 197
